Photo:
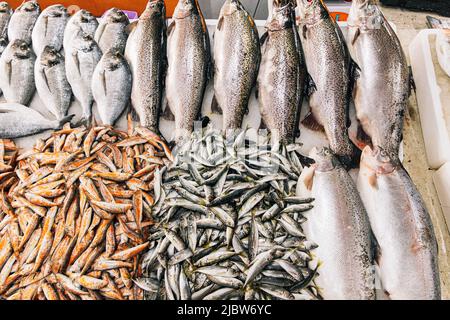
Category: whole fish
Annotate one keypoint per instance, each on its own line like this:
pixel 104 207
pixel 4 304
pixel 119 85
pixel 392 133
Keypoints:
pixel 189 65
pixel 282 74
pixel 5 16
pixel 80 66
pixel 49 28
pixel 408 252
pixel 82 20
pixel 17 72
pixel 146 54
pixel 51 82
pixel 22 21
pixel 330 68
pixel 237 55
pixel 112 30
pixel 383 82
pixel 111 86
pixel 339 225
pixel 17 121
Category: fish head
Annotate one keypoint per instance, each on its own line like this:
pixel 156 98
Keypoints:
pixel 365 14
pixel 56 11
pixel 113 59
pixel 155 8
pixel 84 16
pixel 115 15
pixel 29 6
pixel 377 161
pixel 84 41
pixel 5 8
pixel 230 7
pixel 186 8
pixel 325 159
pixel 282 16
pixel 311 9
pixel 21 49
pixel 3 45
pixel 50 57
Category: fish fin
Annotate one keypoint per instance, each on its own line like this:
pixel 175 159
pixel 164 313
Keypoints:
pixel 44 76
pixel 134 115
pixel 311 123
pixel 77 61
pixel 46 25
pixel 262 125
pixel 9 71
pixel 356 36
pixel 170 28
pixel 304 30
pixel 412 82
pixel 205 121
pixel 103 79
pixel 310 86
pixel 167 113
pixel 362 138
pixel 220 23
pixel 264 38
pixel 215 108
pixel 129 29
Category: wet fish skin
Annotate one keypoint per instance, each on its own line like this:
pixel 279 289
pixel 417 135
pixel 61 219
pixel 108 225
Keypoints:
pixel 111 86
pixel 329 65
pixel 82 20
pixel 80 65
pixel 111 31
pixel 403 228
pixel 146 52
pixel 17 76
pixel 189 65
pixel 383 81
pixel 51 82
pixel 282 75
pixel 339 225
pixel 237 55
pixel 22 21
pixel 49 28
pixel 18 121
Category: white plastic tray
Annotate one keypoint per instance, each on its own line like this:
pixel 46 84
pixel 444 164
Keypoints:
pixel 442 182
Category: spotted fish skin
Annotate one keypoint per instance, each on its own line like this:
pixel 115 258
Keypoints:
pixel 188 66
pixel 383 82
pixel 237 55
pixel 111 31
pixel 282 75
pixel 146 52
pixel 329 65
pixel 22 21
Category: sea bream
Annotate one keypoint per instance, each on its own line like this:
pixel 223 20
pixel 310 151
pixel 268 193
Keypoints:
pixel 339 225
pixel 49 28
pixel 408 251
pixel 5 16
pixel 82 20
pixel 111 86
pixel 17 72
pixel 22 21
pixel 146 55
pixel 330 68
pixel 17 121
pixel 237 55
pixel 80 65
pixel 112 30
pixel 282 74
pixel 189 59
pixel 51 82
pixel 383 80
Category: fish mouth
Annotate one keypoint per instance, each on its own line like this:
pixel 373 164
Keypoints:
pixel 29 6
pixel 378 161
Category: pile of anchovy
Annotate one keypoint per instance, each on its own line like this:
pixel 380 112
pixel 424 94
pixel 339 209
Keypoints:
pixel 229 223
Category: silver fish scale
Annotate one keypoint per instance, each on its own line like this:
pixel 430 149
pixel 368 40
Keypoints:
pixel 221 249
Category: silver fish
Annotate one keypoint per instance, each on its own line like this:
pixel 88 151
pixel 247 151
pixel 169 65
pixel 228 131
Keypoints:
pixel 339 224
pixel 49 28
pixel 18 121
pixel 51 82
pixel 111 86
pixel 282 74
pixel 82 20
pixel 237 55
pixel 17 72
pixel 383 81
pixel 112 30
pixel 408 251
pixel 189 64
pixel 80 65
pixel 145 52
pixel 5 16
pixel 22 21
pixel 329 65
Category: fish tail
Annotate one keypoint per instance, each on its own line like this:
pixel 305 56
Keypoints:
pixel 64 120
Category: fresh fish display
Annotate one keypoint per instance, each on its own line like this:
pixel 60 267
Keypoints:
pixel 111 86
pixel 407 255
pixel 112 31
pixel 189 59
pixel 5 16
pixel 229 224
pixel 82 20
pixel 51 82
pixel 330 68
pixel 22 21
pixel 339 225
pixel 80 65
pixel 146 55
pixel 17 121
pixel 237 55
pixel 17 76
pixel 282 74
pixel 383 80
pixel 49 28
pixel 74 228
